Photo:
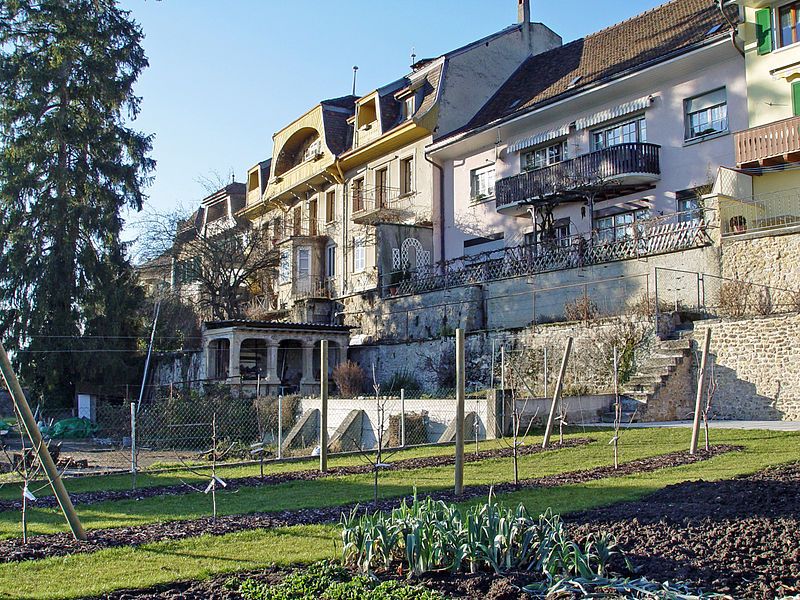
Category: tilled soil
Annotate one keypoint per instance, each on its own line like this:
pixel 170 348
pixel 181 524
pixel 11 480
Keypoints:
pixel 299 475
pixel 737 536
pixel 62 544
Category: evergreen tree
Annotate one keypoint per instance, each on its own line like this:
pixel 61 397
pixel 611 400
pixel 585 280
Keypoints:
pixel 69 165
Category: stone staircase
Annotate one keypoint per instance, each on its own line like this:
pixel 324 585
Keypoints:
pixel 642 394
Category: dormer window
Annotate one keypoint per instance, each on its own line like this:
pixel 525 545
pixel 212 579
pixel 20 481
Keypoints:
pixel 408 108
pixel 367 115
pixel 313 151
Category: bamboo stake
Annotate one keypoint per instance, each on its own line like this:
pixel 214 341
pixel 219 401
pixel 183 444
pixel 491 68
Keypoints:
pixel 699 399
pixel 557 395
pixel 35 436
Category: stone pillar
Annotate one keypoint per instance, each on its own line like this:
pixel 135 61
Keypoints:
pixel 233 366
pixel 271 377
pixel 308 364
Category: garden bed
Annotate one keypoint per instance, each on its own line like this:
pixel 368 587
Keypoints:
pixel 62 544
pixel 737 537
pixel 308 474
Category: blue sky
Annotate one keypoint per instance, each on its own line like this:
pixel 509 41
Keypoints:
pixel 225 75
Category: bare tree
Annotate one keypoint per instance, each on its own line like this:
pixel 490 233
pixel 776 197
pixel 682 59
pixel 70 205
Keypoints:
pixel 225 262
pixel 711 389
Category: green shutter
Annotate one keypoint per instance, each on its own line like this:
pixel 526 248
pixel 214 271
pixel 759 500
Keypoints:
pixel 796 98
pixel 764 30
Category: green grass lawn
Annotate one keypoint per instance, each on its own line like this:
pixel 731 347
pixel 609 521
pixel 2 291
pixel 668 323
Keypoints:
pixel 196 558
pixel 763 448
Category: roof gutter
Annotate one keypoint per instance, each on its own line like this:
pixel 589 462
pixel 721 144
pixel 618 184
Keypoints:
pixel 441 208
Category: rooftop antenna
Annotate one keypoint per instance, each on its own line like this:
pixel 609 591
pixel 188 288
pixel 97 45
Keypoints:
pixel 413 56
pixel 355 73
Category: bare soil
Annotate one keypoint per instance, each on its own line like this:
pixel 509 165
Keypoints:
pixel 43 546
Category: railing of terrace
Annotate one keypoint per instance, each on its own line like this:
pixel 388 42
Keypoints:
pixel 669 233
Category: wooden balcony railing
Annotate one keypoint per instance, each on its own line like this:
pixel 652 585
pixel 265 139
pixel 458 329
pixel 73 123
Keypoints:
pixel 775 143
pixel 607 167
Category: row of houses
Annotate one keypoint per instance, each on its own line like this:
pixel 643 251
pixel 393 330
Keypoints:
pixel 514 155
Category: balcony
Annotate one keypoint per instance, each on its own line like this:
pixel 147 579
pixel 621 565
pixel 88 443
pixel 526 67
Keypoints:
pixel 774 144
pixel 312 289
pixel 380 205
pixel 306 228
pixel 608 173
pixel 762 215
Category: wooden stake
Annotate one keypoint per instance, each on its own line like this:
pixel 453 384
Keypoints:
pixel 460 396
pixel 699 399
pixel 35 436
pixel 323 416
pixel 557 395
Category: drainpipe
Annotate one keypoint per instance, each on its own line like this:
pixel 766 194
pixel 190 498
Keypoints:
pixel 441 210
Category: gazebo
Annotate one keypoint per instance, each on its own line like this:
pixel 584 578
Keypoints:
pixel 275 357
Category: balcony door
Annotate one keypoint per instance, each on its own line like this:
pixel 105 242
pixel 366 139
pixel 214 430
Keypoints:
pixel 381 187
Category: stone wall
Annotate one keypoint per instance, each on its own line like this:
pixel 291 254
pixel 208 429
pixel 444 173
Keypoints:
pixel 757 367
pixel 772 260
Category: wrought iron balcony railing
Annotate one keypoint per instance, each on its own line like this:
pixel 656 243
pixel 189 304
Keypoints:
pixel 294 229
pixel 613 171
pixel 380 203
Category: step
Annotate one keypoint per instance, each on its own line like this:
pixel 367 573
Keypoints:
pixel 653 370
pixel 658 361
pixel 646 379
pixel 675 354
pixel 684 344
pixel 647 388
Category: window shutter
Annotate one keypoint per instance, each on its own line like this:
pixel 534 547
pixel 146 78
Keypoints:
pixel 796 98
pixel 764 30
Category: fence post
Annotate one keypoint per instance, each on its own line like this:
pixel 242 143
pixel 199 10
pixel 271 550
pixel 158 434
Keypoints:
pixel 323 417
pixel 280 426
pixel 133 442
pixel 460 393
pixel 403 418
pixel 557 394
pixel 655 286
pixel 503 389
pixel 699 399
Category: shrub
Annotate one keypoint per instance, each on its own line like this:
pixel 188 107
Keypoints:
pixel 734 298
pixel 349 378
pixel 401 380
pixel 416 429
pixel 765 306
pixel 581 309
pixel 794 301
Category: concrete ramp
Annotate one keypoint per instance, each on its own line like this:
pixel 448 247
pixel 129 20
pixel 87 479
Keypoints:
pixel 449 434
pixel 305 433
pixel 347 437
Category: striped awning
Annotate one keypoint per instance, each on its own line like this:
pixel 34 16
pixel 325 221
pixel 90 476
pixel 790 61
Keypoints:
pixel 614 113
pixel 539 138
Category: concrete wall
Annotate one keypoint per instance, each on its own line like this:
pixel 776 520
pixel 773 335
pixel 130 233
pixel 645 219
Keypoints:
pixel 757 367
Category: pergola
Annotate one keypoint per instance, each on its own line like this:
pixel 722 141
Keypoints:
pixel 277 357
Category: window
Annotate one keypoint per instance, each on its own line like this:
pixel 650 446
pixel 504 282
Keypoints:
pixel 623 133
pixel 407 176
pixel 482 182
pixel 187 271
pixel 706 114
pixel 359 254
pixel 330 206
pixel 689 206
pixel 357 191
pixel 330 261
pixel 381 187
pixel 285 268
pixel 408 108
pixel 789 24
pixel 543 157
pixel 303 263
pixel 621 226
pixel 297 221
pixel 559 239
pixel 312 217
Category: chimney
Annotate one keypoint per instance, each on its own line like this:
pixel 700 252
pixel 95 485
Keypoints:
pixel 523 11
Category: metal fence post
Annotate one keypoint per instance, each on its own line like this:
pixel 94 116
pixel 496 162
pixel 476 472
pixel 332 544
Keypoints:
pixel 133 440
pixel 403 418
pixel 460 394
pixel 280 426
pixel 655 285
